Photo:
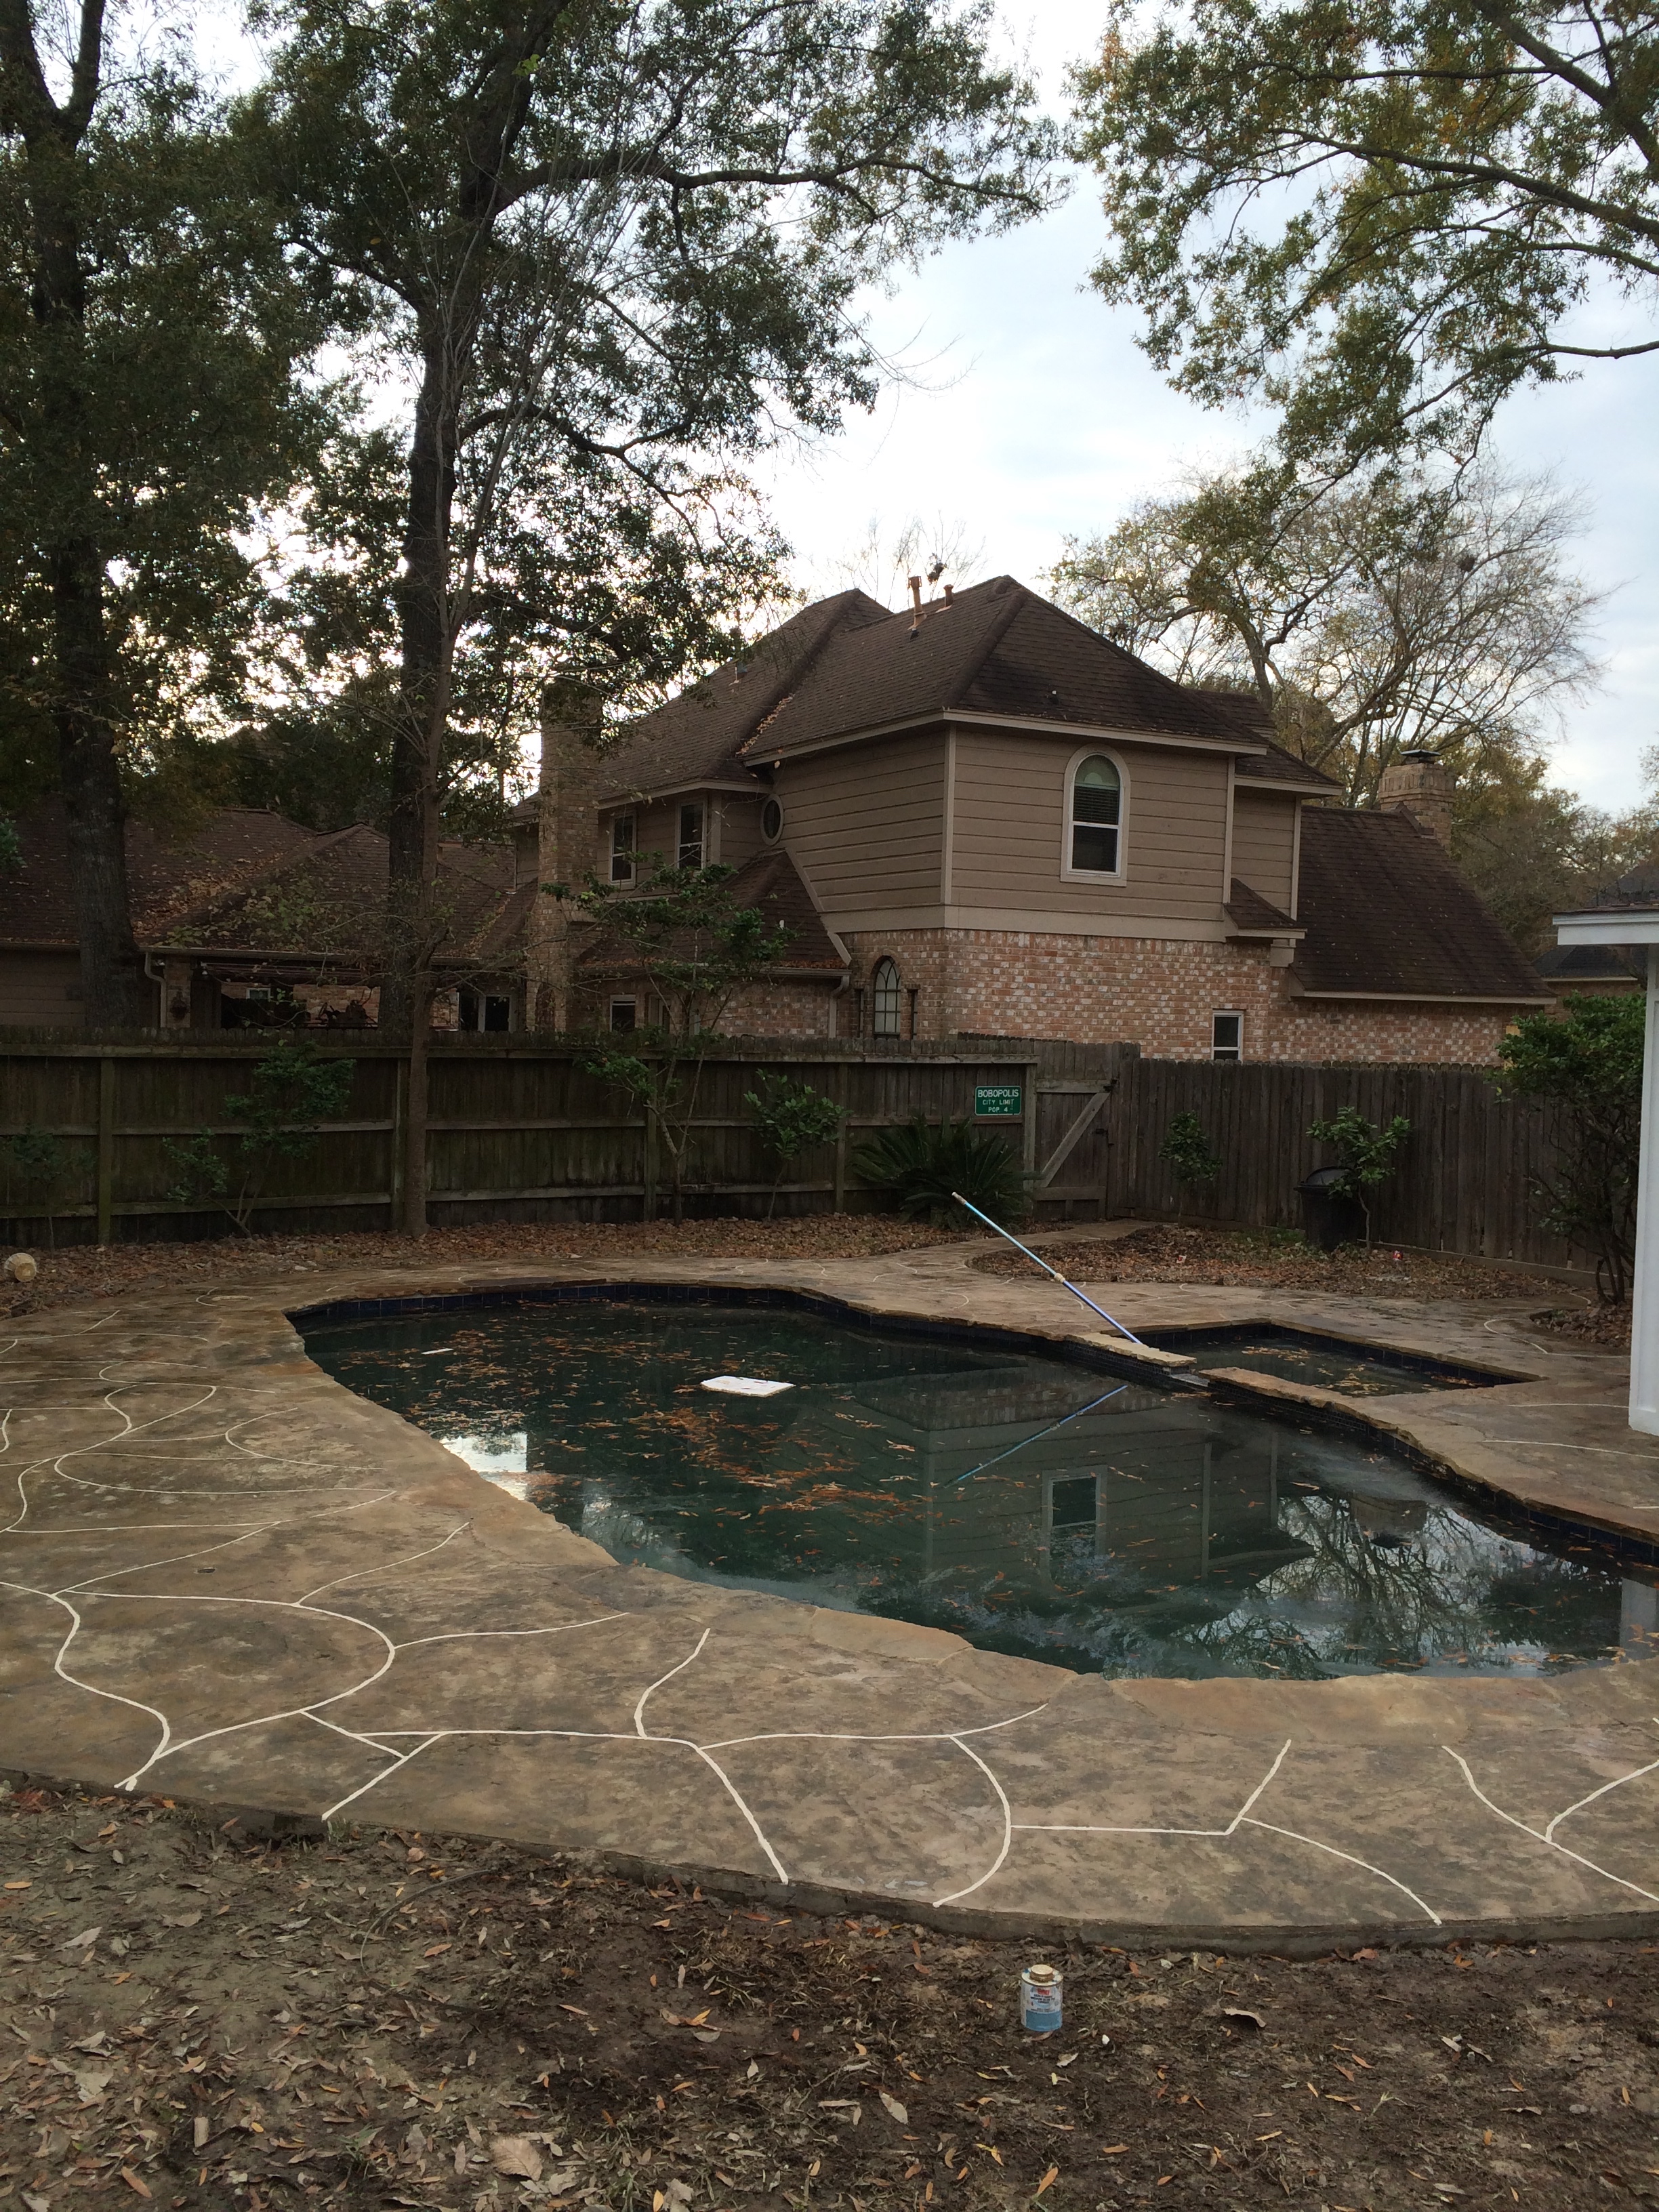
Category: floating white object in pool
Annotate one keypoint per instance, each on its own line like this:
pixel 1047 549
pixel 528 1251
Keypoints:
pixel 745 1386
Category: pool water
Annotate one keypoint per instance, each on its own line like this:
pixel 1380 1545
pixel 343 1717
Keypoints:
pixel 1329 1363
pixel 1030 1506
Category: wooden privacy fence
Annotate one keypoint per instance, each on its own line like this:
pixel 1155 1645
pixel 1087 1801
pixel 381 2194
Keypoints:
pixel 1464 1180
pixel 518 1130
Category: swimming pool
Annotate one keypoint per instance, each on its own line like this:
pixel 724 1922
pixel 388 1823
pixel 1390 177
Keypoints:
pixel 1329 1363
pixel 1029 1506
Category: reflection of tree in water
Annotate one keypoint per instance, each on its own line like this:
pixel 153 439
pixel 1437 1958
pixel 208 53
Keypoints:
pixel 1431 1596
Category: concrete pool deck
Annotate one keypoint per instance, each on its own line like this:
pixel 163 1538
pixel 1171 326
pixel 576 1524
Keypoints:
pixel 226 1578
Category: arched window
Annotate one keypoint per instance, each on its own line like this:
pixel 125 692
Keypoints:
pixel 772 821
pixel 1096 827
pixel 886 999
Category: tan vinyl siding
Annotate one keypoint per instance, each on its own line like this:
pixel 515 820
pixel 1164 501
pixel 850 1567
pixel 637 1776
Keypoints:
pixel 1009 827
pixel 738 836
pixel 1264 842
pixel 866 824
pixel 41 990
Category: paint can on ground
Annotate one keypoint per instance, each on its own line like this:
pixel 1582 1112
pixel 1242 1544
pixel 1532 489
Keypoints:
pixel 1040 1993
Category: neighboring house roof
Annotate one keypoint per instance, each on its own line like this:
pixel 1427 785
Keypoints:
pixel 327 903
pixel 1248 714
pixel 248 881
pixel 233 848
pixel 1589 963
pixel 1387 915
pixel 845 664
pixel 1639 889
pixel 770 882
pixel 1252 915
pixel 996 649
pixel 699 736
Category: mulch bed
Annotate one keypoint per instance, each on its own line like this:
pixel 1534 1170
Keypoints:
pixel 1276 1260
pixel 92 1271
pixel 378 2020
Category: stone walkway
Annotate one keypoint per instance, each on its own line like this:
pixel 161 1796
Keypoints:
pixel 224 1578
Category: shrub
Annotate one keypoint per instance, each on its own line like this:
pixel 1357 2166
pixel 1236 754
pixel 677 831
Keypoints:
pixel 292 1089
pixel 1364 1151
pixel 923 1162
pixel 1586 1063
pixel 792 1117
pixel 1186 1152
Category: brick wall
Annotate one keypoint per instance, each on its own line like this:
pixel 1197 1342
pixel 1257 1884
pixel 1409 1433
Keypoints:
pixel 1157 993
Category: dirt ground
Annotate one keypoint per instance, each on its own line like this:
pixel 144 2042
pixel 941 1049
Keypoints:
pixel 367 2020
pixel 1280 1260
pixel 85 1271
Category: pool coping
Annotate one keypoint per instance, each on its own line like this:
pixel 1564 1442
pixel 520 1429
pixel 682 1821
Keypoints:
pixel 1374 1747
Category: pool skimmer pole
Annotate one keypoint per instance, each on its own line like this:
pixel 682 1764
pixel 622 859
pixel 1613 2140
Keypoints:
pixel 1046 1268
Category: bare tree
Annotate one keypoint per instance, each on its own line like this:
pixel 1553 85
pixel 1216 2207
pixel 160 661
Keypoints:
pixel 1369 617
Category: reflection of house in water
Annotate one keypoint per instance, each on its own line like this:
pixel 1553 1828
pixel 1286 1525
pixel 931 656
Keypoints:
pixel 1008 1476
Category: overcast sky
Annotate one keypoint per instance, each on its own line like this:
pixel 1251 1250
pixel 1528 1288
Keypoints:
pixel 1033 416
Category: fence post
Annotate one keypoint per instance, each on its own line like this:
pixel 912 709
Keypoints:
pixel 1029 1104
pixel 105 1149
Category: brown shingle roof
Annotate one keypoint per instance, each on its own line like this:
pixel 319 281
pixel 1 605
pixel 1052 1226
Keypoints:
pixel 236 847
pixel 997 649
pixel 698 736
pixel 246 881
pixel 770 882
pixel 1245 713
pixel 1388 915
pixel 1251 914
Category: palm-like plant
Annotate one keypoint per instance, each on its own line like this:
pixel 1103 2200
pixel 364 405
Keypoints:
pixel 923 1163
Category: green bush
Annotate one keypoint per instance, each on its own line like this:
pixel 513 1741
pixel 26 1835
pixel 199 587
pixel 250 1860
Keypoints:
pixel 1584 1063
pixel 792 1117
pixel 292 1089
pixel 1364 1151
pixel 1187 1153
pixel 921 1163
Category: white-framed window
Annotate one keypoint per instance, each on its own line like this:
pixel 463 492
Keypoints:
pixel 886 999
pixel 772 821
pixel 691 835
pixel 1227 1037
pixel 624 1014
pixel 1094 816
pixel 621 849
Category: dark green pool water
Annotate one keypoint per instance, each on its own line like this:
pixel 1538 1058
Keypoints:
pixel 1144 1534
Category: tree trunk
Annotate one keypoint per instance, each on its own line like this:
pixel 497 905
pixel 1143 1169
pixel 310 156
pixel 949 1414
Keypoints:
pixel 112 983
pixel 415 1117
pixel 69 558
pixel 425 645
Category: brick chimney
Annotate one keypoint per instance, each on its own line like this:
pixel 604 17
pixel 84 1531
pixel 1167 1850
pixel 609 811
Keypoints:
pixel 566 837
pixel 1419 784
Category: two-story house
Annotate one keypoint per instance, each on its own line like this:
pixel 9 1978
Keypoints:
pixel 981 818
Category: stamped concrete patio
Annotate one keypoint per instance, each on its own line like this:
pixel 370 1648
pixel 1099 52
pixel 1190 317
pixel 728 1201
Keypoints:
pixel 227 1579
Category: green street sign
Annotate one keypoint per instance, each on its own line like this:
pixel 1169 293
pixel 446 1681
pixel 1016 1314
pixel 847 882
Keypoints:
pixel 1001 1101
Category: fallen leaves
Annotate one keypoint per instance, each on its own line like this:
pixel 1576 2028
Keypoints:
pixel 893 2109
pixel 516 2155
